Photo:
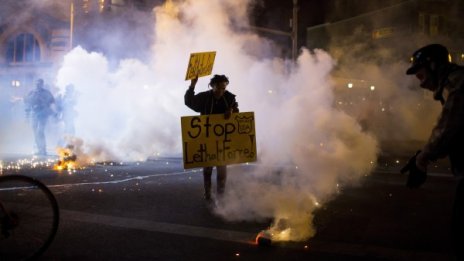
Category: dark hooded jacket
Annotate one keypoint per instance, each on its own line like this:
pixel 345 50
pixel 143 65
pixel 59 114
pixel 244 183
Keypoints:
pixel 205 103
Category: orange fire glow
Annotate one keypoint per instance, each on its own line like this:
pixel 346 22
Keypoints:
pixel 67 159
pixel 273 234
pixel 264 237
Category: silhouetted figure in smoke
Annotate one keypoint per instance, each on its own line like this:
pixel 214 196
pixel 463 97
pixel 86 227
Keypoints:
pixel 215 101
pixel 65 105
pixel 39 106
pixel 432 66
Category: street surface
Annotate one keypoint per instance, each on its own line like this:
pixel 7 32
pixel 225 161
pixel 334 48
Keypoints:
pixel 154 210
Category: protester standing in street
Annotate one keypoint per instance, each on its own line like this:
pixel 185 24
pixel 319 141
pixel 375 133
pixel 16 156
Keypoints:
pixel 39 107
pixel 215 101
pixel 432 66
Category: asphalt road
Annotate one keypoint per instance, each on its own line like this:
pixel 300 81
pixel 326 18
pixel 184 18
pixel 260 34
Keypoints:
pixel 154 210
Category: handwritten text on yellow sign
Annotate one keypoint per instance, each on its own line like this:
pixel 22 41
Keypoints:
pixel 211 140
pixel 200 64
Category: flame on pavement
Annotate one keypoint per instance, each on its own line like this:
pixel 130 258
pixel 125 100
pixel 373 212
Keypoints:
pixel 266 237
pixel 67 159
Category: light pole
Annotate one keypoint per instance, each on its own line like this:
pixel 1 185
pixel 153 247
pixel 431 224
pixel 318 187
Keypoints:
pixel 71 25
pixel 293 34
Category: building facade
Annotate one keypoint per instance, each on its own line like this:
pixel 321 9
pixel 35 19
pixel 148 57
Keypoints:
pixel 372 42
pixel 30 47
pixel 398 25
pixel 35 36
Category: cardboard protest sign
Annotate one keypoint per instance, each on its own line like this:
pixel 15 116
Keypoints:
pixel 211 140
pixel 200 64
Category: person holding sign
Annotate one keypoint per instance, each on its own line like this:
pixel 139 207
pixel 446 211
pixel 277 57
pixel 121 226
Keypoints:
pixel 215 101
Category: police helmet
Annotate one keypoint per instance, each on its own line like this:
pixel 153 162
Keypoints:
pixel 436 53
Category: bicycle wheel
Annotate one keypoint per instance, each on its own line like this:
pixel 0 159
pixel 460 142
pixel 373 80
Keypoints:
pixel 29 217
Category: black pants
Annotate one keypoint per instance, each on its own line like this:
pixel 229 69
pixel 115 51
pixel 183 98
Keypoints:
pixel 220 177
pixel 458 221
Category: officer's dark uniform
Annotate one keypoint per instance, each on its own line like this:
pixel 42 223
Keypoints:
pixel 447 138
pixel 38 106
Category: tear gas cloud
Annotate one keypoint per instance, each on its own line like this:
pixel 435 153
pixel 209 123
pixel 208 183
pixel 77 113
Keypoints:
pixel 397 112
pixel 132 111
pixel 396 109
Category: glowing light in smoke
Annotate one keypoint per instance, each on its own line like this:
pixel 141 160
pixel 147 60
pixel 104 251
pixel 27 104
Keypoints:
pixel 67 159
pixel 283 235
pixel 102 5
pixel 170 8
pixel 272 235
pixel 15 83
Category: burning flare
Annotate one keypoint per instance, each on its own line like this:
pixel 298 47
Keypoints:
pixel 278 232
pixel 67 159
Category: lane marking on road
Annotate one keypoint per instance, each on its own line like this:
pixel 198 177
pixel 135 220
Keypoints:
pixel 120 180
pixel 146 225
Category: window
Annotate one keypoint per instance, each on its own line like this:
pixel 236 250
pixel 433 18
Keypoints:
pixel 423 23
pixel 430 24
pixel 434 24
pixel 23 48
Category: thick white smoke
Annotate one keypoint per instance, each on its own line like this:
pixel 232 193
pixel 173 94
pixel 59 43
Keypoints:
pixel 307 147
pixel 133 111
pixel 396 109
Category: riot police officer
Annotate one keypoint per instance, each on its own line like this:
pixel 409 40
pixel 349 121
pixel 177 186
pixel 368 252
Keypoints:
pixel 433 68
pixel 39 107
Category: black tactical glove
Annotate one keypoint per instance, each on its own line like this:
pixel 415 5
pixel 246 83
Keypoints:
pixel 416 176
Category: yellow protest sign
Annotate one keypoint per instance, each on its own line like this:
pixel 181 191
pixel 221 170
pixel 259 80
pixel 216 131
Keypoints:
pixel 200 64
pixel 211 140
